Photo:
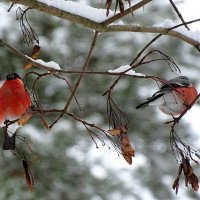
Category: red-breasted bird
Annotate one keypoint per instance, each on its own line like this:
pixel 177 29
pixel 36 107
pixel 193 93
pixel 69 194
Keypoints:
pixel 14 102
pixel 174 96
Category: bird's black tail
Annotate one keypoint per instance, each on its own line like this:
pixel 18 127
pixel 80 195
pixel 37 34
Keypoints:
pixel 9 141
pixel 149 100
pixel 142 105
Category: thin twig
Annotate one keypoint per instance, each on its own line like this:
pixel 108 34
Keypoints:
pixel 126 12
pixel 70 87
pixel 176 120
pixel 20 54
pixel 179 14
pixel 9 9
pixel 79 79
pixel 144 48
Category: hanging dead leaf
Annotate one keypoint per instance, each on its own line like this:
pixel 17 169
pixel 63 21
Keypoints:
pixel 24 118
pixel 34 55
pixel 114 132
pixel 126 148
pixel 121 7
pixel 176 182
pixel 108 5
pixel 126 145
pixel 28 175
pixel 118 3
pixel 190 177
pixel 193 181
pixel 128 158
pixel 176 185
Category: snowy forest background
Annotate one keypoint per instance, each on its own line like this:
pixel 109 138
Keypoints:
pixel 66 163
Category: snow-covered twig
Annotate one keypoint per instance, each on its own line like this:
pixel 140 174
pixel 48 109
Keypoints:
pixel 96 19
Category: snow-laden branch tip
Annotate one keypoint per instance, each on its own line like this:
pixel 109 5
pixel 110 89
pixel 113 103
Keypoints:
pixel 127 69
pixel 51 64
pixel 87 16
pixel 195 35
pixel 93 14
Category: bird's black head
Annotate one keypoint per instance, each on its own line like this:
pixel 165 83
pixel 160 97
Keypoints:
pixel 12 76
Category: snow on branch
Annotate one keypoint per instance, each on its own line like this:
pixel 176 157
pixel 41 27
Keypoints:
pixel 79 13
pixel 96 19
pixel 93 14
pixel 127 69
pixel 51 64
pixel 189 37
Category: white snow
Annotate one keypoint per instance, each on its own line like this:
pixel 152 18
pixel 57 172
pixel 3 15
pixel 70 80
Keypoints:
pixel 94 14
pixel 124 68
pixel 190 11
pixel 194 34
pixel 50 64
pixel 191 34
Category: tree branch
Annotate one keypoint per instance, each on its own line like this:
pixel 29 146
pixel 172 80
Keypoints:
pixel 126 12
pixel 152 29
pixel 59 13
pixel 179 14
pixel 89 23
pixel 79 79
pixel 103 26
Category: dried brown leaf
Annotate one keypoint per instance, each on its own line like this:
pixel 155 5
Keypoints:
pixel 108 5
pixel 121 7
pixel 124 129
pixel 190 177
pixel 128 158
pixel 176 182
pixel 24 118
pixel 176 185
pixel 118 4
pixel 194 182
pixel 114 132
pixel 28 175
pixel 126 148
pixel 34 55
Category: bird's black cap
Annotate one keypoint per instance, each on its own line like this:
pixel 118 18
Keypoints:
pixel 12 76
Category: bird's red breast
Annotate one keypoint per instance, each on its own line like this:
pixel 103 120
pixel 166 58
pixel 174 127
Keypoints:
pixel 14 100
pixel 179 99
pixel 187 94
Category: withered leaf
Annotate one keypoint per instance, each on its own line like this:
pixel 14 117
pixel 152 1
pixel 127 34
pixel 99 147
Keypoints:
pixel 176 185
pixel 121 7
pixel 28 175
pixel 188 170
pixel 118 3
pixel 114 132
pixel 190 177
pixel 193 180
pixel 24 118
pixel 108 5
pixel 34 55
pixel 176 182
pixel 124 129
pixel 128 158
pixel 126 148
